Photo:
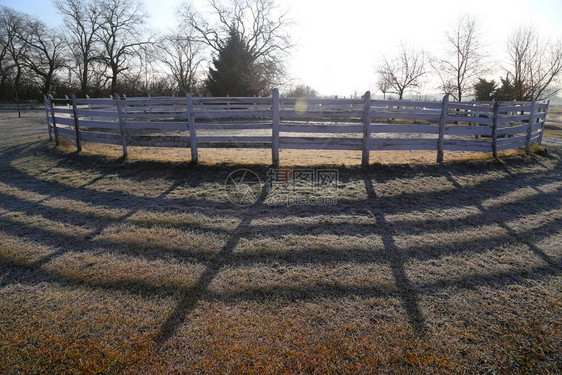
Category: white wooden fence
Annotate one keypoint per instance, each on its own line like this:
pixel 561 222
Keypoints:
pixel 289 123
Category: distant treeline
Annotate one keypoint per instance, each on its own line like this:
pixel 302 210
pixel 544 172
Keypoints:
pixel 239 48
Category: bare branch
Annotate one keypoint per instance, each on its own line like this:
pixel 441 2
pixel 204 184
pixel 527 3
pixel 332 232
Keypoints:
pixel 403 72
pixel 536 66
pixel 259 23
pixel 464 61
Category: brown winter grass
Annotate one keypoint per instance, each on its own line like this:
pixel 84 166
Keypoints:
pixel 142 266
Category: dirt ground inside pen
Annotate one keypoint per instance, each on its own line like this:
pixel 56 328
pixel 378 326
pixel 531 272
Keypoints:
pixel 143 265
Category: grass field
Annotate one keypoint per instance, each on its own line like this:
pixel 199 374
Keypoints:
pixel 143 266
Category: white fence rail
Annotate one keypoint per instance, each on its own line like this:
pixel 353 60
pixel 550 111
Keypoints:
pixel 288 123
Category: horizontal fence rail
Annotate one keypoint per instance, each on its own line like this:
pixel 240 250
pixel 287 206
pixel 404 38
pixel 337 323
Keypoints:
pixel 294 123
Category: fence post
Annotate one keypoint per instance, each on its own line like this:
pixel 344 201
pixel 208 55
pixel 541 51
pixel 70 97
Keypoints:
pixel 275 129
pixel 46 103
pixel 442 122
pixel 121 124
pixel 495 130
pixel 544 121
pixel 76 125
pixel 125 109
pixel 366 129
pixel 192 133
pixel 530 128
pixel 89 106
pixel 56 131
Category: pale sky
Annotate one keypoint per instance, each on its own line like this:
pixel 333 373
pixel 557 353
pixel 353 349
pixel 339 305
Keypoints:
pixel 339 43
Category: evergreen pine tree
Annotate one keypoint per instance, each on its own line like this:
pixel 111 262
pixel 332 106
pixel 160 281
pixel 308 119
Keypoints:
pixel 234 72
pixel 484 90
pixel 506 92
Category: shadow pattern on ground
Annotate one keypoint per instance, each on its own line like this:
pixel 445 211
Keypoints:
pixel 508 176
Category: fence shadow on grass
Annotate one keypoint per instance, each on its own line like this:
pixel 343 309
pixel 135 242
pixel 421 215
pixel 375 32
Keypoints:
pixel 504 179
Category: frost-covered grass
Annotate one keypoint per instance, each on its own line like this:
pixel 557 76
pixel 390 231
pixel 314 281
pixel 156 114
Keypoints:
pixel 143 267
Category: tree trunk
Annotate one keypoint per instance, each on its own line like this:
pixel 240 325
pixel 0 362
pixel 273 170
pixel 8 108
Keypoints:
pixel 16 86
pixel 84 83
pixel 113 80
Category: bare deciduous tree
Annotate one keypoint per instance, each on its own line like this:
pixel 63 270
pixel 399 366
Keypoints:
pixel 181 56
pixel 6 35
pixel 15 48
pixel 81 18
pixel 465 58
pixel 301 91
pixel 383 86
pixel 403 72
pixel 121 34
pixel 259 24
pixel 536 66
pixel 44 55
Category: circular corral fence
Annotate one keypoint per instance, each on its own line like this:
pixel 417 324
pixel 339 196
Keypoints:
pixel 295 123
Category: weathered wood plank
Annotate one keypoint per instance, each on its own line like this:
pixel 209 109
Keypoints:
pixel 432 116
pixel 264 145
pixel 67 133
pixel 156 116
pixel 64 120
pixel 512 130
pixel 95 101
pixel 476 120
pixel 99 124
pixel 232 114
pixel 321 128
pixel 320 115
pixel 466 145
pixel 404 128
pixel 234 139
pixel 462 147
pixel 379 144
pixel 513 118
pixel 156 125
pixel 468 130
pixel 64 110
pixel 244 126
pixel 472 108
pixel 223 100
pixel 509 146
pixel 504 141
pixel 87 112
